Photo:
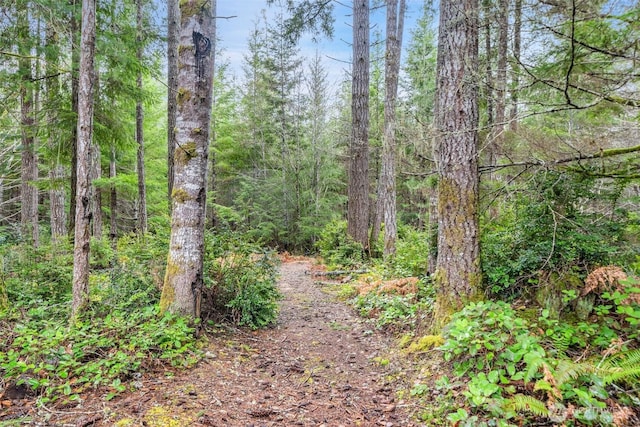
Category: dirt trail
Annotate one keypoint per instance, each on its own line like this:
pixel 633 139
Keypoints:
pixel 320 366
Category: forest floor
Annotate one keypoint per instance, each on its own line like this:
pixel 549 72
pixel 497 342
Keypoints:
pixel 320 365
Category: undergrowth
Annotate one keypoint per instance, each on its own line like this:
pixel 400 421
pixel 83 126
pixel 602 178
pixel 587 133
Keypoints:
pixel 121 334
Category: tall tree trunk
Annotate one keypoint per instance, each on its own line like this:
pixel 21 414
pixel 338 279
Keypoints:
pixel 358 186
pixel 387 187
pixel 501 81
pixel 457 276
pixel 173 20
pixel 113 198
pixel 95 173
pixel 183 278
pixel 432 230
pixel 58 218
pixel 75 80
pixel 515 76
pixel 211 179
pixel 85 135
pixel 142 188
pixel 488 87
pixel 29 167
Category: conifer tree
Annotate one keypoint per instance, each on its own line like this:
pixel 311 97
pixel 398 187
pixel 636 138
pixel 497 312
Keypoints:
pixel 196 45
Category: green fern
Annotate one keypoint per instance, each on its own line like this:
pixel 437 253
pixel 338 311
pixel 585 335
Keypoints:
pixel 567 369
pixel 521 402
pixel 621 367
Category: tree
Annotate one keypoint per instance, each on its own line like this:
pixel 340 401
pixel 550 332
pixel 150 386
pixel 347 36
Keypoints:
pixel 183 277
pixel 83 213
pixel 457 275
pixel 387 185
pixel 75 71
pixel 142 189
pixel 517 37
pixel 58 219
pixel 29 168
pixel 358 186
pixel 173 15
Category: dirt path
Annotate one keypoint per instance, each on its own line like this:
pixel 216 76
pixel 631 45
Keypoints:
pixel 320 366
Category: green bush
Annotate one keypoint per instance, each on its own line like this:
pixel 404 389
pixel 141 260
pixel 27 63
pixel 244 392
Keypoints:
pixel 557 225
pixel 240 282
pixel 397 311
pixel 412 253
pixel 337 249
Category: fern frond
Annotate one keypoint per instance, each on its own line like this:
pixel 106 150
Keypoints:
pixel 627 358
pixel 567 369
pixel 621 367
pixel 521 402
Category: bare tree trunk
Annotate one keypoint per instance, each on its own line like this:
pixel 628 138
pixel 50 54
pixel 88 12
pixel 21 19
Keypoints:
pixel 358 187
pixel 487 18
pixel 75 66
pixel 95 173
pixel 515 76
pixel 113 198
pixel 432 230
pixel 501 81
pixel 457 275
pixel 211 180
pixel 85 135
pixel 387 195
pixel 173 20
pixel 183 278
pixel 142 188
pixel 29 167
pixel 58 218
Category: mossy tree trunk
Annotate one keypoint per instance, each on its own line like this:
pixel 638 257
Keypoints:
pixel 457 273
pixel 183 276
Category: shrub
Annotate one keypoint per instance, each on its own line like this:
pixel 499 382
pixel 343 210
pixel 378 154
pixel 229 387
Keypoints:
pixel 338 249
pixel 240 282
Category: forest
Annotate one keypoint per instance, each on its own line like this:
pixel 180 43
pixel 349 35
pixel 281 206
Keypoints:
pixel 469 190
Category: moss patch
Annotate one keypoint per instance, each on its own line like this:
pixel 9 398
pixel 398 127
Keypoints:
pixel 184 95
pixel 168 296
pixel 180 195
pixel 189 8
pixel 184 153
pixel 425 343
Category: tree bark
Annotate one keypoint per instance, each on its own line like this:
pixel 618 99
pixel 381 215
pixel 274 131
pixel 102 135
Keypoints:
pixel 173 18
pixel 29 166
pixel 142 188
pixel 183 277
pixel 515 79
pixel 95 173
pixel 211 179
pixel 387 186
pixel 75 66
pixel 501 81
pixel 85 135
pixel 113 198
pixel 457 275
pixel 58 217
pixel 358 186
pixel 487 18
